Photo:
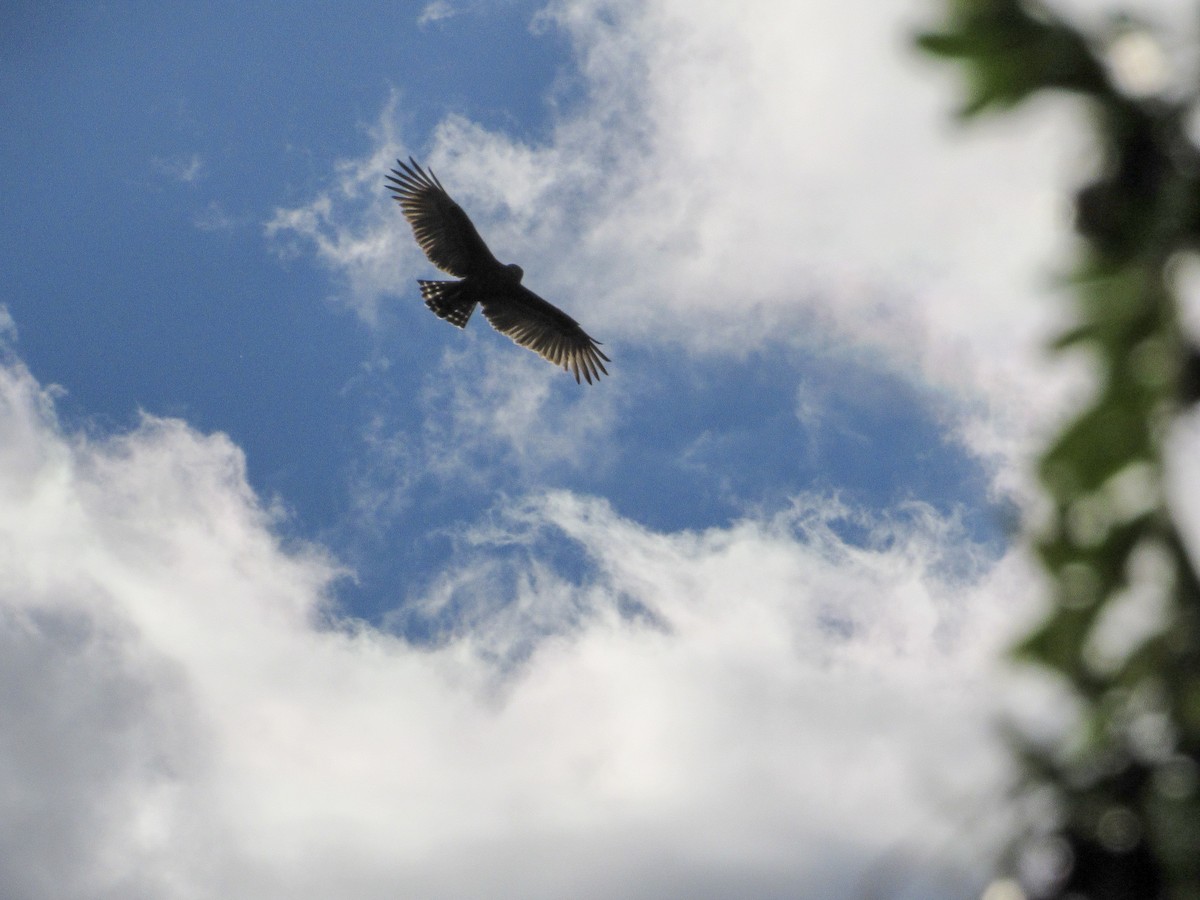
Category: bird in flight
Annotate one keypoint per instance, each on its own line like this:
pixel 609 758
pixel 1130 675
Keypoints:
pixel 452 244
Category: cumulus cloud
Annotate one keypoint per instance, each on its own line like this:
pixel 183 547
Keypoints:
pixel 755 709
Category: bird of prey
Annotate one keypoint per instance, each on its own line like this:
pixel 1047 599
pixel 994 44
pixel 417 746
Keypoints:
pixel 452 244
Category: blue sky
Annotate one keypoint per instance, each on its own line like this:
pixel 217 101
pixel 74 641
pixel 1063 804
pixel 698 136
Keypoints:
pixel 408 599
pixel 143 282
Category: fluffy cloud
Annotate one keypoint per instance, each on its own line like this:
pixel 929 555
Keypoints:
pixel 754 708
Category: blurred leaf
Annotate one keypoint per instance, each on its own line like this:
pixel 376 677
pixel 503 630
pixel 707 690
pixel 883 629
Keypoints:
pixel 1189 376
pixel 1058 643
pixel 1010 54
pixel 1097 445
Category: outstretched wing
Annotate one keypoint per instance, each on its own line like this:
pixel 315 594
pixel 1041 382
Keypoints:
pixel 439 224
pixel 546 330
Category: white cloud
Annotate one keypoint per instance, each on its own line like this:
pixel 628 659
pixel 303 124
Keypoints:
pixel 183 721
pixel 8 327
pixel 493 401
pixel 436 12
pixel 489 415
pixel 351 226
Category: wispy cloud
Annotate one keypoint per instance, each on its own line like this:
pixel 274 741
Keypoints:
pixel 8 328
pixel 436 11
pixel 214 217
pixel 503 401
pixel 489 414
pixel 349 228
pixel 186 168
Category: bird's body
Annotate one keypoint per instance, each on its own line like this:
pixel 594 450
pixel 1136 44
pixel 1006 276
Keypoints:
pixel 449 239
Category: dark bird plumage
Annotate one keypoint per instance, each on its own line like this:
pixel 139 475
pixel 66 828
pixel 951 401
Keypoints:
pixel 446 235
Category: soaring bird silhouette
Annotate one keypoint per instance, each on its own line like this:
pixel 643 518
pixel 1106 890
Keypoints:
pixel 452 244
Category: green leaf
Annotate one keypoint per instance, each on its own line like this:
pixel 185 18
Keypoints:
pixel 943 44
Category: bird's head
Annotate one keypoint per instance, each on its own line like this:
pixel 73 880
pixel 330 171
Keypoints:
pixel 516 271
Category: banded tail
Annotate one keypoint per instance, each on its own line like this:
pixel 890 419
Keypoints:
pixel 448 300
